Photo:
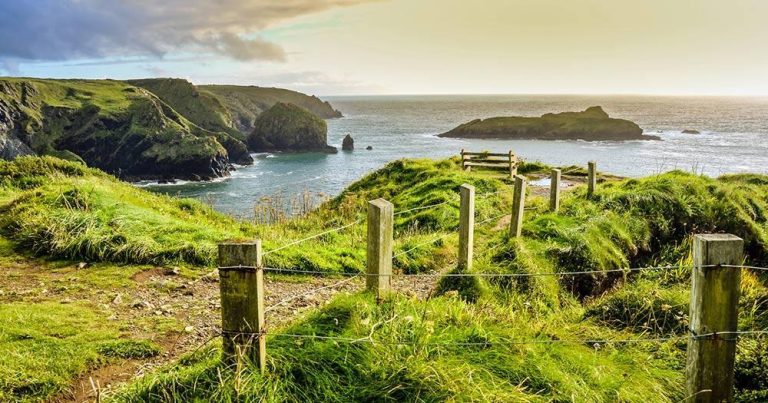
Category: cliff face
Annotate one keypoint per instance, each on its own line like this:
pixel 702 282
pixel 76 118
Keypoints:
pixel 244 104
pixel 201 108
pixel 287 127
pixel 110 125
pixel 592 124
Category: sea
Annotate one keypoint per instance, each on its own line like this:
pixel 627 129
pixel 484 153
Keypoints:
pixel 733 139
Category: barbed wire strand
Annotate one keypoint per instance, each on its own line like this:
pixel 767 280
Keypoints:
pixel 422 244
pixel 421 208
pixel 313 291
pixel 491 219
pixel 368 339
pixel 562 274
pixel 741 266
pixel 313 237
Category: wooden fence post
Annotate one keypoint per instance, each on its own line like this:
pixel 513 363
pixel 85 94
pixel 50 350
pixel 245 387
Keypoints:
pixel 464 166
pixel 518 207
pixel 379 251
pixel 241 283
pixel 591 177
pixel 466 226
pixel 714 309
pixel 512 165
pixel 554 191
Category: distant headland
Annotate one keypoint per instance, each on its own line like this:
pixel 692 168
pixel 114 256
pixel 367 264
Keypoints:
pixel 156 129
pixel 592 124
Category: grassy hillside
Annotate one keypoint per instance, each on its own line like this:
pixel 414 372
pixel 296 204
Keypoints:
pixel 405 349
pixel 110 125
pixel 246 103
pixel 64 210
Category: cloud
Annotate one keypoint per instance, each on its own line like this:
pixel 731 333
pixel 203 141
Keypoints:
pixel 57 30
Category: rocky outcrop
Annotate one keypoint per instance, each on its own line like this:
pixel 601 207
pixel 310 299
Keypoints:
pixel 287 127
pixel 348 144
pixel 10 145
pixel 691 131
pixel 110 125
pixel 592 124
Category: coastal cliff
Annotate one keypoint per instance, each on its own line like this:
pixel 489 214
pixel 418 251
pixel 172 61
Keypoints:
pixel 150 128
pixel 109 125
pixel 592 124
pixel 245 103
pixel 287 127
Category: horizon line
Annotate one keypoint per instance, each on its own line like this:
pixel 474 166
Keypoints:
pixel 404 94
pixel 634 94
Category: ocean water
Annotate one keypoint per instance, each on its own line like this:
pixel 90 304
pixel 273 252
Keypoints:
pixel 734 138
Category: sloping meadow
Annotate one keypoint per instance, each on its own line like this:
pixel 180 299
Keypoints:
pixel 553 336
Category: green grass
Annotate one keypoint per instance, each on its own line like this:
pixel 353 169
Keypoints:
pixel 45 344
pixel 423 368
pixel 626 223
pixel 631 222
pixel 66 211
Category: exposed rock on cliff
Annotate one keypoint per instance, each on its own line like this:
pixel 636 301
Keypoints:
pixel 287 127
pixel 348 144
pixel 203 109
pixel 593 124
pixel 108 124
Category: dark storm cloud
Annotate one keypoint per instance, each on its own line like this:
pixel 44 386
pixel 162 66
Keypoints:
pixel 54 30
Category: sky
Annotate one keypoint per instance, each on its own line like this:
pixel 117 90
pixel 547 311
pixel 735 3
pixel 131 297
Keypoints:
pixel 355 47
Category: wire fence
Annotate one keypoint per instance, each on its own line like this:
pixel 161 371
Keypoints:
pixel 369 339
pixel 382 273
pixel 337 229
pixel 538 274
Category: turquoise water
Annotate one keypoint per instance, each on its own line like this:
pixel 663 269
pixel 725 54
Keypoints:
pixel 734 139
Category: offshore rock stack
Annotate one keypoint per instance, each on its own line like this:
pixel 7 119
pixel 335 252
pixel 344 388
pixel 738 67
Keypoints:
pixel 348 144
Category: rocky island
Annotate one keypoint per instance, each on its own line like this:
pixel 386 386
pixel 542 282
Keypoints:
pixel 287 127
pixel 592 124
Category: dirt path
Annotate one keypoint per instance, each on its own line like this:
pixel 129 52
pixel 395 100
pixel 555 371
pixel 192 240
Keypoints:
pixel 195 305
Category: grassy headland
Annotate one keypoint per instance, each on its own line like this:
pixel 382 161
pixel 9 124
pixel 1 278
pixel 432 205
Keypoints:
pixel 406 346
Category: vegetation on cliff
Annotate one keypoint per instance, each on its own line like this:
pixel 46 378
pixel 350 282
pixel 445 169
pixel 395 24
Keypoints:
pixel 201 108
pixel 592 124
pixel 245 103
pixel 110 125
pixel 287 127
pixel 140 129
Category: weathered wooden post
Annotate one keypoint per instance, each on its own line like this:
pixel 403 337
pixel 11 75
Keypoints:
pixel 518 207
pixel 591 177
pixel 466 226
pixel 241 283
pixel 464 165
pixel 554 191
pixel 379 251
pixel 714 309
pixel 512 165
